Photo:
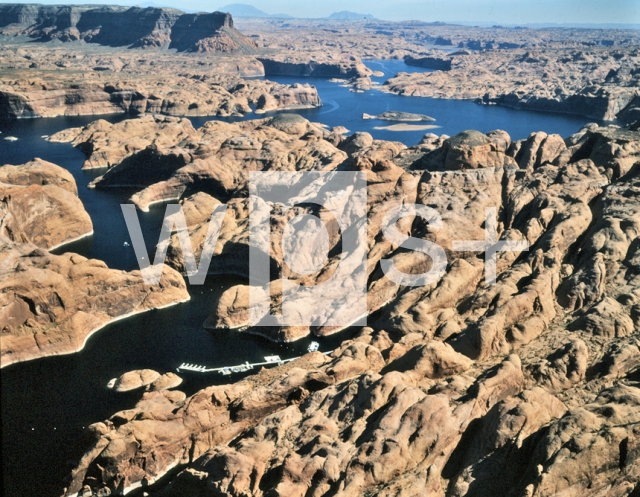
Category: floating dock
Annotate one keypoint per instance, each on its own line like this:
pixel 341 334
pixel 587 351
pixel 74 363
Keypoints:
pixel 270 360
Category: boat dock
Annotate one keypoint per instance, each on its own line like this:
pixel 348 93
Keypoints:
pixel 270 360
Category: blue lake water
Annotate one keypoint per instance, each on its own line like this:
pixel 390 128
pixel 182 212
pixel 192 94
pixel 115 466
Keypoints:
pixel 344 108
pixel 46 403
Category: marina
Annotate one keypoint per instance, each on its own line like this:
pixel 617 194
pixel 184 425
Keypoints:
pixel 271 360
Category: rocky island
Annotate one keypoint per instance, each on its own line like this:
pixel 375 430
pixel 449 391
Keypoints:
pixel 398 116
pixel 527 384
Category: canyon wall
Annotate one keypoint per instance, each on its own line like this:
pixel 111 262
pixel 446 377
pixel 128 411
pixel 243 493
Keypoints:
pixel 132 27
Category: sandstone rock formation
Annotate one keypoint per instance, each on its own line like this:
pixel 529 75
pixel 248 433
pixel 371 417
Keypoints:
pixel 593 83
pixel 108 144
pixel 39 205
pixel 437 63
pixel 165 382
pixel 135 379
pixel 38 172
pixel 375 39
pixel 577 71
pixel 215 159
pixel 50 304
pixel 30 96
pixel 528 386
pixel 324 67
pixel 130 27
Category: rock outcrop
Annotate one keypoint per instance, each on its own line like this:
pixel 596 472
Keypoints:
pixel 393 115
pixel 217 158
pixel 128 27
pixel 50 304
pixel 375 39
pixel 595 84
pixel 38 172
pixel 323 67
pixel 135 379
pixel 39 205
pixel 181 96
pixel 525 384
pixel 458 387
pixel 109 144
pixel 436 63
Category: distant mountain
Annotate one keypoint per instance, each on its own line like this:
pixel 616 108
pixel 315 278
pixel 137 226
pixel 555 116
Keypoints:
pixel 543 25
pixel 345 15
pixel 244 10
pixel 144 5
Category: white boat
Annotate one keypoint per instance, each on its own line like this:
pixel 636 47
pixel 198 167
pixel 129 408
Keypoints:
pixel 313 346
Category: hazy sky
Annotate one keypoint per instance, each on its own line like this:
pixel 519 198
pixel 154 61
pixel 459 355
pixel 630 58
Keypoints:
pixel 499 11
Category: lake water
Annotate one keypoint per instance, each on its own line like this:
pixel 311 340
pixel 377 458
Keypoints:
pixel 46 403
pixel 344 108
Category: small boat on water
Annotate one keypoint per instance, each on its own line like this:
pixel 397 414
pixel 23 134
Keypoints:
pixel 313 346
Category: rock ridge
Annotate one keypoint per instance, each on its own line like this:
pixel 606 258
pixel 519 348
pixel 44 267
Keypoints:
pixel 133 27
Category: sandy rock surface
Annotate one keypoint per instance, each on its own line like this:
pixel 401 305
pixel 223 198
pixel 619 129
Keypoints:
pixel 528 386
pixel 50 304
pixel 135 379
pixel 39 205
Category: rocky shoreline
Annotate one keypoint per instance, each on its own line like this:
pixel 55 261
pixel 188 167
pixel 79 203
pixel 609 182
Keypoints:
pixel 529 366
pixel 51 304
pixel 222 96
pixel 562 70
pixel 595 83
pixel 528 385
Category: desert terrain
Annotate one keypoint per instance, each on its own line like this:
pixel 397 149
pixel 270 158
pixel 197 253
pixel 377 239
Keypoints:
pixel 528 386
